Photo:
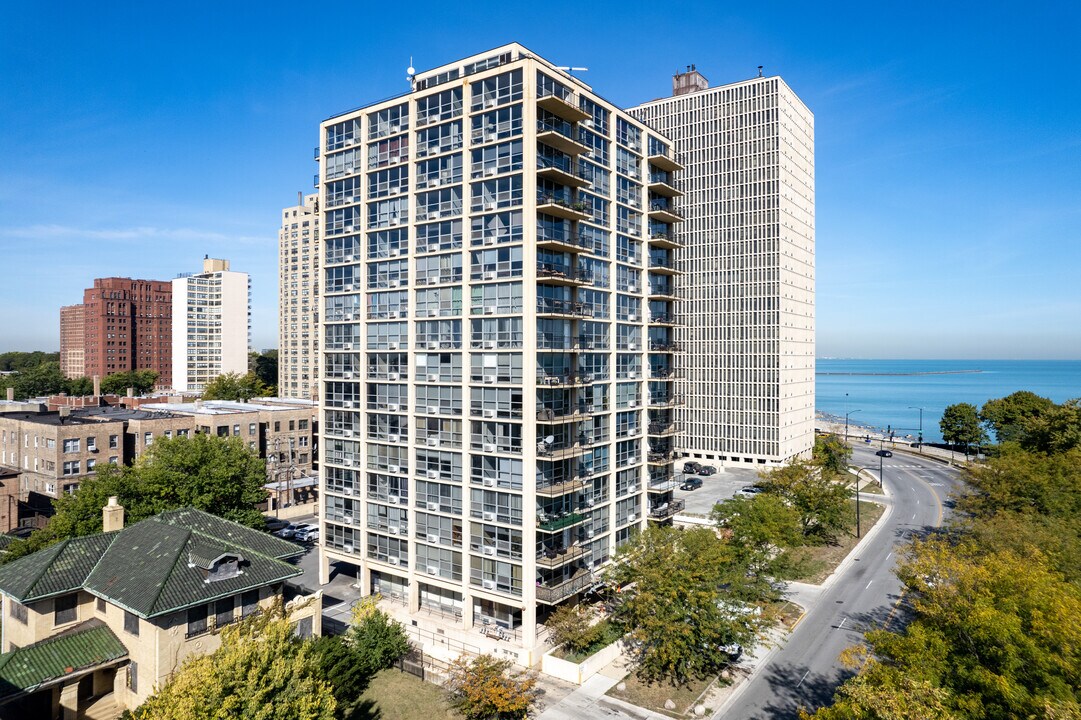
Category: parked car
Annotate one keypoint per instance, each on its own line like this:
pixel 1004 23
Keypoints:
pixel 691 483
pixel 884 453
pixel 273 525
pixel 750 489
pixel 734 651
pixel 307 532
pixel 287 532
pixel 707 470
pixel 690 467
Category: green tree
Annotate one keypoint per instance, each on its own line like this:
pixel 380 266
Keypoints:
pixel 1008 417
pixel 19 361
pixel 570 627
pixel 262 671
pixel 265 367
pixel 219 475
pixel 484 688
pixel 687 596
pixel 822 503
pixel 1057 430
pixel 234 386
pixel 38 380
pixel 81 386
pixel 142 381
pixel 762 529
pixel 960 425
pixel 831 454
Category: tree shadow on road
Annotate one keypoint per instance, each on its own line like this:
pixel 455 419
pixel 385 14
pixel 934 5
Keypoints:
pixel 795 687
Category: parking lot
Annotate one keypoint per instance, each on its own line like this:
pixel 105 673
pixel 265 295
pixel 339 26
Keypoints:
pixel 715 488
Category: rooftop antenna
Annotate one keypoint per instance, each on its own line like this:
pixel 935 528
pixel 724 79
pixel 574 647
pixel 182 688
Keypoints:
pixel 410 72
pixel 571 70
pixel 759 71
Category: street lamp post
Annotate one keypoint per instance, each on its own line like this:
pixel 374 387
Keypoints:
pixel 910 407
pixel 850 412
pixel 858 471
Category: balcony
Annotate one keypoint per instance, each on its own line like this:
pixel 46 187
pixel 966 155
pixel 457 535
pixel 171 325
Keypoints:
pixel 564 381
pixel 663 266
pixel 550 524
pixel 561 137
pixel 668 319
pixel 551 274
pixel 663 401
pixel 569 243
pixel 552 594
pixel 563 175
pixel 661 184
pixel 666 510
pixel 668 484
pixel 666 240
pixel 558 489
pixel 664 212
pixel 660 458
pixel 563 207
pixel 556 454
pixel 663 159
pixel 662 291
pixel 558 557
pixel 661 429
pixel 562 309
pixel 562 104
pixel 562 415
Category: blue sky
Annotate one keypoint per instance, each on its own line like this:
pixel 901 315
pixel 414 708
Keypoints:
pixel 137 137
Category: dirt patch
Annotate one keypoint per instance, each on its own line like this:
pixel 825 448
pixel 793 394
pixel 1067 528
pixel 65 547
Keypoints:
pixel 822 560
pixel 652 696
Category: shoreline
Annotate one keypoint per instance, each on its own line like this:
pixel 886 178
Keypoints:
pixel 836 425
pixel 903 374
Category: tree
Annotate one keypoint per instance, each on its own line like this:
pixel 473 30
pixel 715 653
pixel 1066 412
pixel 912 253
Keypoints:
pixel 1057 430
pixel 142 381
pixel 822 503
pixel 1008 417
pixel 570 626
pixel 484 688
pixel 960 425
pixel 234 386
pixel 687 595
pixel 262 671
pixel 762 529
pixel 831 454
pixel 265 367
pixel 43 379
pixel 80 387
pixel 18 361
pixel 219 475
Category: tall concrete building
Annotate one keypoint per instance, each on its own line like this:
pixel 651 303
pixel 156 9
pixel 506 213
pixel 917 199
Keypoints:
pixel 748 286
pixel 211 325
pixel 298 300
pixel 73 341
pixel 122 325
pixel 497 326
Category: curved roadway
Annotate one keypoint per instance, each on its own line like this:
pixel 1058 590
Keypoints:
pixel 804 670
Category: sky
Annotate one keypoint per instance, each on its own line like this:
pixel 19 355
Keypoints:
pixel 135 138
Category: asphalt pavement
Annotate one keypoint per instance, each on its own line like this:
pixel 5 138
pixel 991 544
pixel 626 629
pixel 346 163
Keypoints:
pixel 805 669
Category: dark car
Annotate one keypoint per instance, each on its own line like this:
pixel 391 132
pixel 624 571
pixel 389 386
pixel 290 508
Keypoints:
pixel 707 470
pixel 691 467
pixel 884 453
pixel 274 524
pixel 750 489
pixel 691 483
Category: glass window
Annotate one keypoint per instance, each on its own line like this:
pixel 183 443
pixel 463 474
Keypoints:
pixel 131 623
pixel 65 609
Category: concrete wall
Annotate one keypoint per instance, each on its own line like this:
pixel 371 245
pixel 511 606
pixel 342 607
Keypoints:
pixel 578 673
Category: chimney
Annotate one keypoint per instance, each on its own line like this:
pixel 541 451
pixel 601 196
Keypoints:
pixel 64 412
pixel 97 386
pixel 112 515
pixel 131 392
pixel 11 394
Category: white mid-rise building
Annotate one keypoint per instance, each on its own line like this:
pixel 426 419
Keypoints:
pixel 498 319
pixel 748 284
pixel 211 325
pixel 298 300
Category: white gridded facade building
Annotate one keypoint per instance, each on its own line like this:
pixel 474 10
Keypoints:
pixel 748 286
pixel 211 325
pixel 498 319
pixel 298 300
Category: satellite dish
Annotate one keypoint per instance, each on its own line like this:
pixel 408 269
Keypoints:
pixel 410 70
pixel 549 440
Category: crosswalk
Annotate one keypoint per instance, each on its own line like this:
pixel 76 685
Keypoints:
pixel 897 466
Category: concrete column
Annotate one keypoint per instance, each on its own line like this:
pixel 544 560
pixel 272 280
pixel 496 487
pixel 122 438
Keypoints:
pixel 414 596
pixel 324 566
pixel 529 625
pixel 69 701
pixel 364 580
pixel 467 611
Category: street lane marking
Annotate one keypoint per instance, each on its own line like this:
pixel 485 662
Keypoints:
pixel 868 585
pixel 803 678
pixel 888 556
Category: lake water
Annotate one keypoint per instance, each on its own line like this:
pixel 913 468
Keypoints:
pixel 884 390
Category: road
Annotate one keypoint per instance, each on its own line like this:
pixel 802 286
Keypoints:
pixel 805 669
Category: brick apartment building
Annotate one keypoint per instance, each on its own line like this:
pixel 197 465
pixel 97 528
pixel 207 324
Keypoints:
pixel 126 325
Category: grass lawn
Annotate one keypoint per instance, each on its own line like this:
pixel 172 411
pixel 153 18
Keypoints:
pixel 652 697
pixel 397 695
pixel 823 559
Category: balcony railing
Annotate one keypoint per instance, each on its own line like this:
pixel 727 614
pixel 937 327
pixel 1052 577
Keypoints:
pixel 553 557
pixel 548 523
pixel 666 510
pixel 546 306
pixel 563 273
pixel 556 489
pixel 551 594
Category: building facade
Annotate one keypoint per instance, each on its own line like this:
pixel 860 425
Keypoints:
pixel 128 326
pixel 211 325
pixel 748 286
pixel 498 330
pixel 72 341
pixel 298 300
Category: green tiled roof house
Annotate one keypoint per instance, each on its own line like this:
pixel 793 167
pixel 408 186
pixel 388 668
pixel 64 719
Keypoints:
pixel 101 621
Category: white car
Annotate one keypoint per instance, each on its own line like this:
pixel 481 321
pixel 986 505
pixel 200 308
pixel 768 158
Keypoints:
pixel 305 532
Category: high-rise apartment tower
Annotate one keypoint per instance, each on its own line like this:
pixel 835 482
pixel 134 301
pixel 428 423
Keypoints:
pixel 747 294
pixel 211 325
pixel 298 300
pixel 498 317
pixel 73 341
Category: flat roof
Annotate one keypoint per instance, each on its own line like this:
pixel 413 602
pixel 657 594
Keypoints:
pixel 52 418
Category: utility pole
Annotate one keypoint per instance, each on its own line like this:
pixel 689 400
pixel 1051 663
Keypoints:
pixel 920 439
pixel 851 412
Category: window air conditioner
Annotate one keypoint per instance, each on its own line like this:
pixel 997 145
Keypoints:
pixel 590 533
pixel 347 375
pixel 489 550
pixel 349 404
pixel 393 438
pixel 433 442
pixel 632 404
pixel 347 548
pixel 632 375
pixel 433 313
pixel 347 346
pixel 393 560
pixel 393 529
pixel 394 468
pixel 348 258
pixel 490 240
pixel 392 346
pixel 393 499
pixel 393 283
pixel 489 447
pixel 433 506
pixel 631 317
pixel 488 584
pixel 488 276
pixel 394 407
pixel 432 377
pixel 433 570
pixel 433 409
pixel 489 309
pixel 632 517
pixel 347 490
pixel 347 519
pixel 489 378
pixel 490 171
pixel 432 474
pixel 432 346
pixel 393 314
pixel 489 482
pixel 490 516
pixel 632 288
pixel 347 433
pixel 489 344
pixel 489 413
pixel 347 287
pixel 393 376
pixel 348 228
pixel 433 538
pixel 632 346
